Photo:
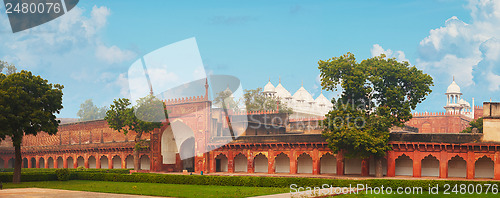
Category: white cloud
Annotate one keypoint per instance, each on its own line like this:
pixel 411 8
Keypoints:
pixel 377 50
pixel 113 54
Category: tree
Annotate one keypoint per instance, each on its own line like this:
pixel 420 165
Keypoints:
pixel 255 100
pixel 27 106
pixel 10 68
pixel 226 98
pixel 147 115
pixel 378 93
pixel 477 123
pixel 89 111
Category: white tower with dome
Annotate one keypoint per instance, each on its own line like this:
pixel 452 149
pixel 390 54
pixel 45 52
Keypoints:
pixel 454 101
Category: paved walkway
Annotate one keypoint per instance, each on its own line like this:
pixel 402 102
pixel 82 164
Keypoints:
pixel 56 193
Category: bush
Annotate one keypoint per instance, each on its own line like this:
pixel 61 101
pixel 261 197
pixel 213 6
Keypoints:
pixel 62 174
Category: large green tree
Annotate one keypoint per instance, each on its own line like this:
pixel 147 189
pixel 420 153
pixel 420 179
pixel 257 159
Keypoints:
pixel 89 111
pixel 255 100
pixel 226 98
pixel 27 107
pixel 377 94
pixel 148 114
pixel 10 68
pixel 477 123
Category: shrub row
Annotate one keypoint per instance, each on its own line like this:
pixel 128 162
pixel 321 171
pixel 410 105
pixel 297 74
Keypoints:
pixel 29 170
pixel 29 176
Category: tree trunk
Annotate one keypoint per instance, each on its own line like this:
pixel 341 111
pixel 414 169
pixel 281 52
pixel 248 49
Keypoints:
pixel 378 167
pixel 137 160
pixel 17 164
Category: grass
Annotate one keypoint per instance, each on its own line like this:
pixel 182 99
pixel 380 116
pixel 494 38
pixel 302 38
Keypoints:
pixel 153 189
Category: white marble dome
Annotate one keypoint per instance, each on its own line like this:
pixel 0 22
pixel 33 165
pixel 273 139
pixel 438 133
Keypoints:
pixel 453 88
pixel 303 95
pixel 282 92
pixel 269 88
pixel 323 101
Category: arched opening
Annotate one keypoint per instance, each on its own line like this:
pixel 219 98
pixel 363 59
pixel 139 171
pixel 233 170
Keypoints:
pixel 145 163
pixel 304 163
pixel 80 162
pixel 92 162
pixel 41 162
pixel 221 163
pixel 328 164
pixel 1 162
pixel 60 162
pixel 104 162
pixel 129 161
pixel 282 163
pixel 352 166
pixel 25 162
pixel 70 162
pixel 240 163
pixel 372 166
pixel 430 166
pixel 117 162
pixel 404 165
pixel 168 147
pixel 50 162
pixel 33 162
pixel 187 154
pixel 484 168
pixel 10 164
pixel 260 163
pixel 457 167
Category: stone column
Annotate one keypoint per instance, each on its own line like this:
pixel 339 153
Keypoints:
pixel 110 162
pixel 86 161
pixel 365 167
pixel 37 162
pixel 391 164
pixel 496 167
pixel 250 165
pixel 316 162
pixel 340 163
pixel 98 162
pixel 417 167
pixel 293 161
pixel 124 162
pixel 230 161
pixel 65 161
pixel 270 165
pixel 470 164
pixel 212 162
pixel 46 162
pixel 56 165
pixel 443 165
pixel 75 161
pixel 5 163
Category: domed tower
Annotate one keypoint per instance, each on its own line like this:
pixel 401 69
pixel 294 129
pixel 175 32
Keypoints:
pixel 269 89
pixel 454 102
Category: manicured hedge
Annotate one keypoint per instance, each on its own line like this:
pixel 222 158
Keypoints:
pixel 29 176
pixel 120 171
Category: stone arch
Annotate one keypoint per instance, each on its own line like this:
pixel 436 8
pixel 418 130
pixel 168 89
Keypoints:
pixel 70 162
pixel 41 162
pixel 129 161
pixel 25 162
pixel 457 167
pixel 104 162
pixel 117 162
pixel 80 161
pixel 282 163
pixel 430 166
pixel 50 162
pixel 33 162
pixel 168 146
pixel 60 162
pixel 260 163
pixel 484 167
pixel 186 152
pixel 92 162
pixel 328 164
pixel 304 163
pixel 10 163
pixel 352 166
pixel 145 162
pixel 240 163
pixel 221 163
pixel 404 165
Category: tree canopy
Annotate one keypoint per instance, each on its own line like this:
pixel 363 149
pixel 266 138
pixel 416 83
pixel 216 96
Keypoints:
pixel 255 100
pixel 477 123
pixel 377 93
pixel 226 97
pixel 147 115
pixel 89 111
pixel 27 106
pixel 10 68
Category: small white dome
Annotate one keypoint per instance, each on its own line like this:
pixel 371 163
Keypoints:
pixel 303 95
pixel 269 88
pixel 322 100
pixel 453 88
pixel 463 103
pixel 282 92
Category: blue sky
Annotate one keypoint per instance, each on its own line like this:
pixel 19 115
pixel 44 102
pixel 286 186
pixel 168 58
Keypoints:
pixel 90 49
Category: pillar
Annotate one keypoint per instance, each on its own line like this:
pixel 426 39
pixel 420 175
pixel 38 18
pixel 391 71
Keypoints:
pixel 75 161
pixel 496 167
pixel 6 163
pixel 340 163
pixel 316 162
pixel 471 162
pixel 230 161
pixel 98 162
pixel 124 162
pixel 86 161
pixel 65 162
pixel 37 162
pixel 56 165
pixel 270 159
pixel 391 164
pixel 110 161
pixel 293 162
pixel 46 162
pixel 212 162
pixel 443 165
pixel 365 167
pixel 417 167
pixel 250 165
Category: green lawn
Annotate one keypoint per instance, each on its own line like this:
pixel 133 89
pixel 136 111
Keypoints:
pixel 154 189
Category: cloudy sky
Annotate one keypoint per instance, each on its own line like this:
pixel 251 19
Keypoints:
pixel 91 48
